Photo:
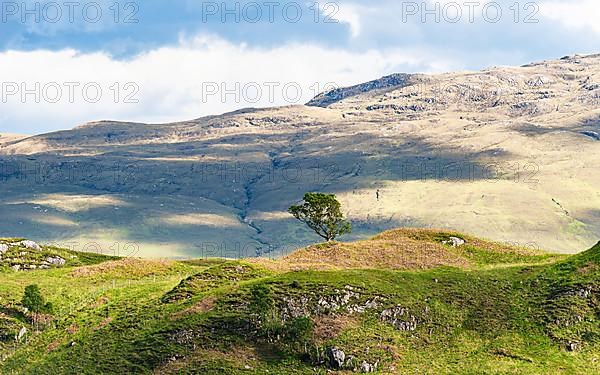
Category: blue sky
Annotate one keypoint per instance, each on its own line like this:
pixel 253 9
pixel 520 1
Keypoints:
pixel 156 61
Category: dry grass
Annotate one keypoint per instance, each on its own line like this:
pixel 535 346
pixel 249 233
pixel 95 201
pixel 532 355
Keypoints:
pixel 587 268
pixel 204 305
pixel 103 323
pixel 241 356
pixel 390 250
pixel 429 235
pixel 210 220
pixel 130 267
pixel 76 203
pixel 328 327
pixel 398 249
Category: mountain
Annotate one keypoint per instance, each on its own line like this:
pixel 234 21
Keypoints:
pixel 507 153
pixel 393 81
pixel 404 301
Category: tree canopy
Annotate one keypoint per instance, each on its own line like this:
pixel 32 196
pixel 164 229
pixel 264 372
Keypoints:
pixel 322 213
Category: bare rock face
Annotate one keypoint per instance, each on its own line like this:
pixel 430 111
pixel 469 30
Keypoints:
pixel 592 134
pixel 392 81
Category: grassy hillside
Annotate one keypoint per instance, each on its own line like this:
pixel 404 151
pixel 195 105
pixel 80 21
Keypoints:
pixel 406 301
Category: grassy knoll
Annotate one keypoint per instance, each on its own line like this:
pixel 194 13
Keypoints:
pixel 388 304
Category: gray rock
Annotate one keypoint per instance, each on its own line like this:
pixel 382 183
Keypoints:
pixel 31 245
pixel 400 318
pixel 21 333
pixel 3 248
pixel 395 81
pixel 572 346
pixel 539 81
pixel 584 292
pixel 350 362
pixel 336 357
pixel 367 367
pixel 16 267
pixel 455 242
pixel 591 134
pixel 56 261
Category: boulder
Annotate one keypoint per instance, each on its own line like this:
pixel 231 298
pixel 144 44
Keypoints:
pixel 455 241
pixel 16 267
pixel 539 80
pixel 367 368
pixel 21 333
pixel 336 357
pixel 31 245
pixel 56 261
pixel 3 248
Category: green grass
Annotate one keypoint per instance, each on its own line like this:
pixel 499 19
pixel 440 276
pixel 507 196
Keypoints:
pixel 532 314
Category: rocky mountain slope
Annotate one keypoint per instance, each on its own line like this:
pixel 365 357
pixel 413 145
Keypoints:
pixel 508 153
pixel 449 304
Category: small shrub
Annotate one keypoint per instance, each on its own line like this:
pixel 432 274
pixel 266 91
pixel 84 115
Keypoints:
pixel 33 299
pixel 298 332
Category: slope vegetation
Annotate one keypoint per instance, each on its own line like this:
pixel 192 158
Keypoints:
pixel 482 308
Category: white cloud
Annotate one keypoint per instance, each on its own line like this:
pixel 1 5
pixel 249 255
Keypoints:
pixel 578 14
pixel 347 13
pixel 175 83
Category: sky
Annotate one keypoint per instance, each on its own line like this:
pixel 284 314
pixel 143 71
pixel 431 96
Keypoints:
pixel 65 63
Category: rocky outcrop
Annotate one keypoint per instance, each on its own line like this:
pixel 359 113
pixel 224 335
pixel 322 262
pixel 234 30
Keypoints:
pixel 27 255
pixel 400 318
pixel 345 300
pixel 398 80
pixel 30 245
pixel 595 136
pixel 56 261
pixel 336 357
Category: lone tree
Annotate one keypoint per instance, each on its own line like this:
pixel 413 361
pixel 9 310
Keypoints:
pixel 323 214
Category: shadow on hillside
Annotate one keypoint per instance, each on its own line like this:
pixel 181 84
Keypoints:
pixel 231 181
